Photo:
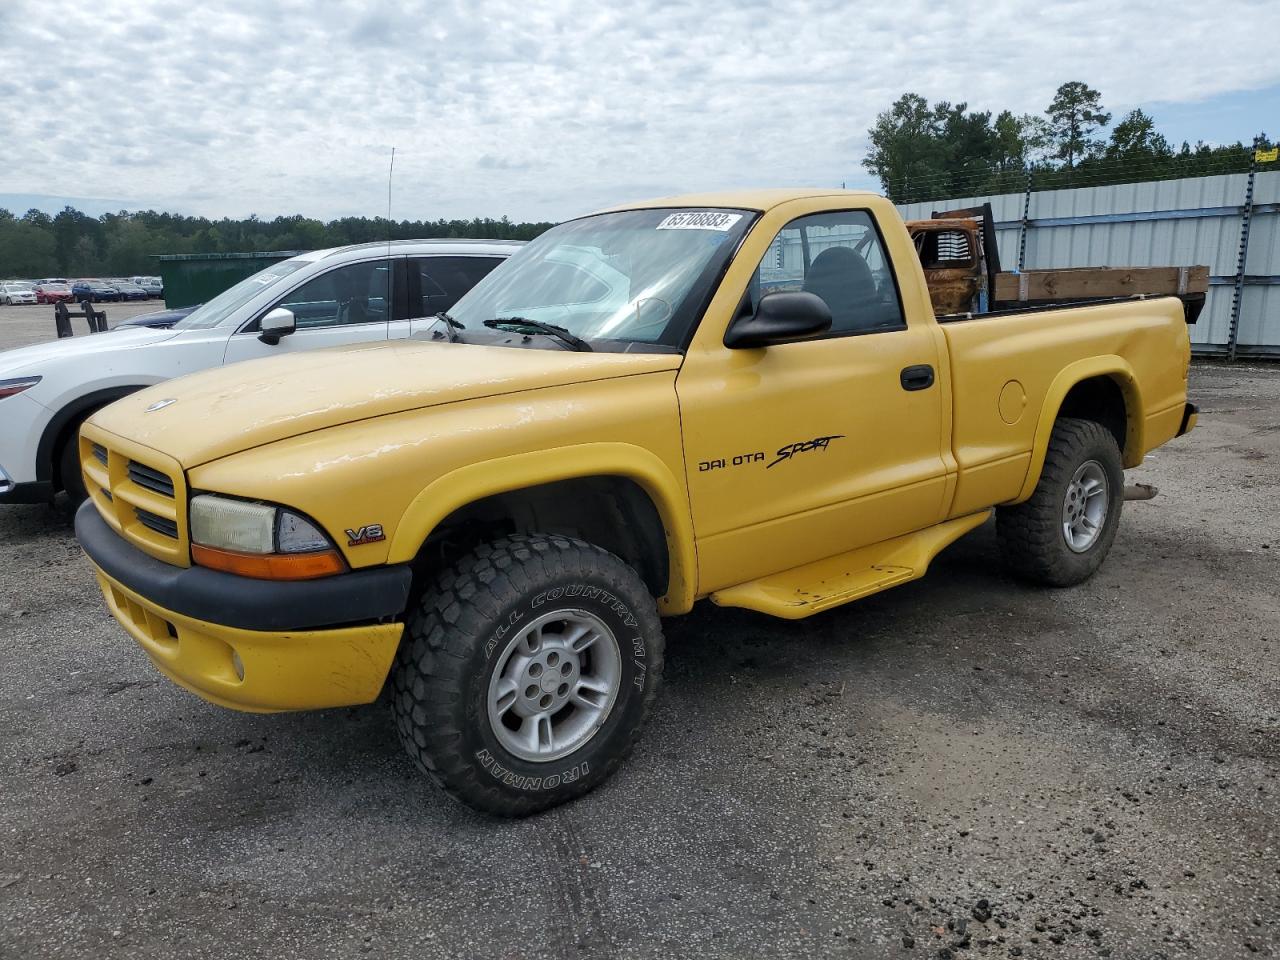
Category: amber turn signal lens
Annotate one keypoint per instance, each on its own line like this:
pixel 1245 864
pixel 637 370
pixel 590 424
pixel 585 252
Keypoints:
pixel 270 566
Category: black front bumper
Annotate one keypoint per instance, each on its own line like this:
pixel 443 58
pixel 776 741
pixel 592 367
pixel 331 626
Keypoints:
pixel 35 491
pixel 362 596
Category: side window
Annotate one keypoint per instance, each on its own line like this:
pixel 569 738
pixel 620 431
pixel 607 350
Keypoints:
pixel 443 280
pixel 838 257
pixel 355 293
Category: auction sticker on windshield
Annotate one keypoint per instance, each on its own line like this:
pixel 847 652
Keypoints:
pixel 700 220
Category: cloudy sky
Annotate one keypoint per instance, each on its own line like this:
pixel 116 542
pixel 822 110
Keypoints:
pixel 542 109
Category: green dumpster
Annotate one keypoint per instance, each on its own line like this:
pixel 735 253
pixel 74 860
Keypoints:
pixel 191 278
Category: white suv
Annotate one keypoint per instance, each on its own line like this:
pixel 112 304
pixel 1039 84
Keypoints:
pixel 357 294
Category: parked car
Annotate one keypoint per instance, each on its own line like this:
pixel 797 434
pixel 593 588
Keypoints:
pixel 97 291
pixel 160 320
pixel 642 408
pixel 335 297
pixel 13 292
pixel 53 291
pixel 152 285
pixel 129 290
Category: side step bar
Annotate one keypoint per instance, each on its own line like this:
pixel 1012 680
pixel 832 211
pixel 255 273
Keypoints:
pixel 803 591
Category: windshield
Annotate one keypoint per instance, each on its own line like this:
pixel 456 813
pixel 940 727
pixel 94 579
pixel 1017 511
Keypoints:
pixel 220 307
pixel 638 275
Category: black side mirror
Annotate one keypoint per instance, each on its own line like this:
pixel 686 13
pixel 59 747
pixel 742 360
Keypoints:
pixel 782 317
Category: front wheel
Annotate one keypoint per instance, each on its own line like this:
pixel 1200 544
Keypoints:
pixel 1061 535
pixel 526 672
pixel 69 470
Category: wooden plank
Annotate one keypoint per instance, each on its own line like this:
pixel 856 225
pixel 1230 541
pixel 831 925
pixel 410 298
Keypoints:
pixel 1079 283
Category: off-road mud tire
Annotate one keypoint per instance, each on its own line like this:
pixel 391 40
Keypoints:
pixel 454 638
pixel 1031 534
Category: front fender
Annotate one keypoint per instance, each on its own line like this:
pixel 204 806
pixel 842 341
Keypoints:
pixel 68 413
pixel 1109 365
pixel 476 481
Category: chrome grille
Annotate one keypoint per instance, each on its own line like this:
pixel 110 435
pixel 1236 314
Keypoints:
pixel 161 525
pixel 150 478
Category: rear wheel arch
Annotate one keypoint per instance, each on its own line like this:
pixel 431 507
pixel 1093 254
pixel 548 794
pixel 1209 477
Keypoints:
pixel 1100 389
pixel 1101 399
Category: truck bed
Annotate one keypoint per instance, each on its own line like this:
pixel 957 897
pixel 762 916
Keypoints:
pixel 961 263
pixel 1092 283
pixel 1010 371
pixel 1191 306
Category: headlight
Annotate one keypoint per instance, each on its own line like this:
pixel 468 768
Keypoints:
pixel 233 524
pixel 9 387
pixel 259 540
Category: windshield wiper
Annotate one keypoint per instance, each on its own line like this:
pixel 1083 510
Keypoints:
pixel 450 325
pixel 537 326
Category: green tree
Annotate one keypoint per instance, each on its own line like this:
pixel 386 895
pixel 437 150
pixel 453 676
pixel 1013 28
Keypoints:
pixel 1037 140
pixel 1011 142
pixel 73 244
pixel 906 147
pixel 1075 115
pixel 77 240
pixel 1136 137
pixel 921 151
pixel 26 246
pixel 947 151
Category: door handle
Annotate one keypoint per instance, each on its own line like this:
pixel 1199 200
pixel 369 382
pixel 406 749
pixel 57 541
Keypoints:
pixel 918 377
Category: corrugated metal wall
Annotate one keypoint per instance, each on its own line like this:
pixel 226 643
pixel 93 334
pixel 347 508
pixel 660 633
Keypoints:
pixel 1160 223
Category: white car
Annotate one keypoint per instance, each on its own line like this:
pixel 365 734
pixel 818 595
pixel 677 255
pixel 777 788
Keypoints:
pixel 152 285
pixel 357 294
pixel 14 293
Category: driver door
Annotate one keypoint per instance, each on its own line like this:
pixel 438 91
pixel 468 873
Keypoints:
pixel 801 451
pixel 345 305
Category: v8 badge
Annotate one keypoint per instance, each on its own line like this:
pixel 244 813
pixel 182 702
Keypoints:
pixel 369 533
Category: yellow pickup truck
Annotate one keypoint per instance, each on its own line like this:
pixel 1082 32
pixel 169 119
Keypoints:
pixel 741 396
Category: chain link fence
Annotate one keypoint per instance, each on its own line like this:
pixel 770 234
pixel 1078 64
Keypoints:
pixel 1228 221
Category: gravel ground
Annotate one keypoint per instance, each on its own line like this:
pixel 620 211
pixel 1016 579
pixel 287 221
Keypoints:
pixel 963 766
pixel 21 325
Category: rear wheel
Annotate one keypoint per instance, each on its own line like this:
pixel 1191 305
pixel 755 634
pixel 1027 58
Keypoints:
pixel 526 672
pixel 1061 535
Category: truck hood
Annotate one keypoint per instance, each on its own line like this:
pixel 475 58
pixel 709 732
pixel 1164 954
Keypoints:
pixel 219 412
pixel 31 360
